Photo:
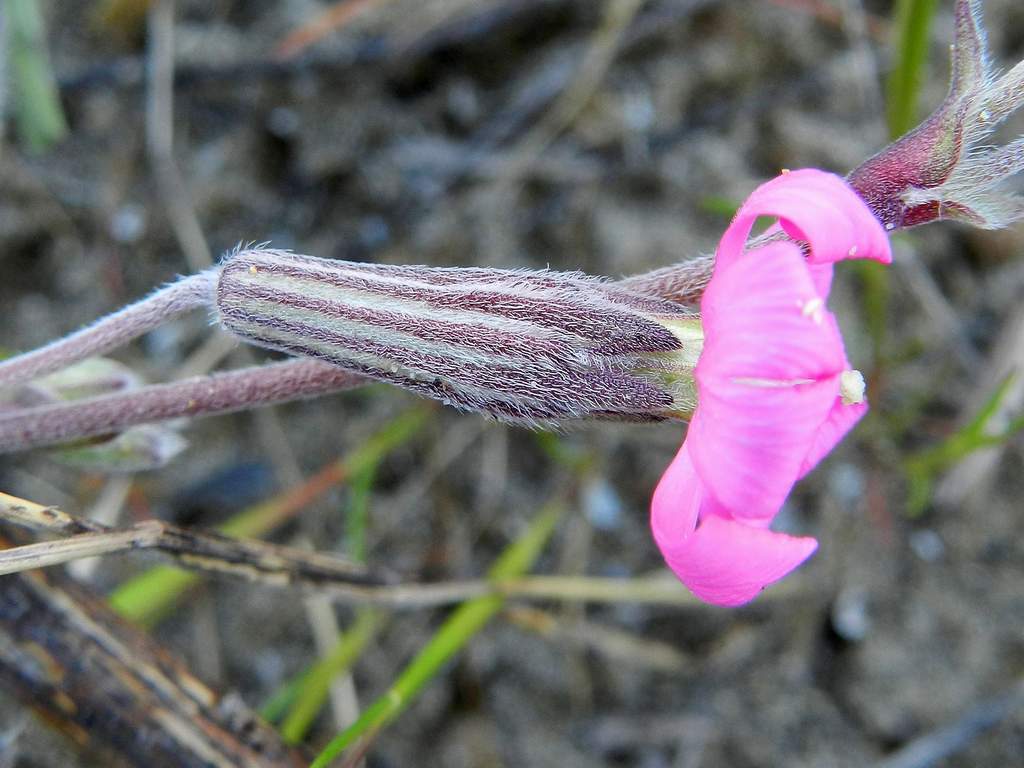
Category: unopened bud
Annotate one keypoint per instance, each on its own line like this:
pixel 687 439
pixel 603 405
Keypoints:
pixel 942 169
pixel 137 449
pixel 89 378
pixel 529 347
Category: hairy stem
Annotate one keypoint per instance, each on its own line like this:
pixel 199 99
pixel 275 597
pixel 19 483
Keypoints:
pixel 112 331
pixel 682 283
pixel 194 398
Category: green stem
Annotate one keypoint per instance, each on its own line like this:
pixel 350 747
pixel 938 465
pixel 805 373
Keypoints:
pixel 456 631
pixel 912 32
pixel 316 683
pixel 40 117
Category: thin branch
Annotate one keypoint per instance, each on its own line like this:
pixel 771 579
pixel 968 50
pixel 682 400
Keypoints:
pixel 196 550
pixel 326 574
pixel 38 517
pixel 47 553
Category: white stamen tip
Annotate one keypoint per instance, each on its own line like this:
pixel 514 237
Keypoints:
pixel 812 309
pixel 852 252
pixel 851 387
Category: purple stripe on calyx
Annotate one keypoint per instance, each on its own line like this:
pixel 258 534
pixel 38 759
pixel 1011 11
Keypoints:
pixel 584 307
pixel 531 347
pixel 538 378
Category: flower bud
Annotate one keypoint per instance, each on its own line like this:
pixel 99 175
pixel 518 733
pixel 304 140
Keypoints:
pixel 528 347
pixel 91 377
pixel 942 169
pixel 137 449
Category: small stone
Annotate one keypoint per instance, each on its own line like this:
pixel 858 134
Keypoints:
pixel 602 506
pixel 850 618
pixel 283 122
pixel 927 545
pixel 128 223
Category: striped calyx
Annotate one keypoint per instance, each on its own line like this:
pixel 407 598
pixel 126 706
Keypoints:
pixel 528 347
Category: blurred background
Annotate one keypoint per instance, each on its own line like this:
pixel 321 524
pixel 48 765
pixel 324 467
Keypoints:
pixel 144 139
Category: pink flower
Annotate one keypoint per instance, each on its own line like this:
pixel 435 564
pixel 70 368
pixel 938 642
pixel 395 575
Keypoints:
pixel 775 390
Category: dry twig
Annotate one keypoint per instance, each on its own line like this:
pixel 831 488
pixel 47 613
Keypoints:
pixel 112 689
pixel 197 550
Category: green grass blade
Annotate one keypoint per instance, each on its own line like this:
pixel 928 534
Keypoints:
pixel 922 467
pixel 150 596
pixel 912 30
pixel 874 300
pixel 316 684
pixel 358 516
pixel 37 103
pixel 719 205
pixel 312 692
pixel 276 707
pixel 456 631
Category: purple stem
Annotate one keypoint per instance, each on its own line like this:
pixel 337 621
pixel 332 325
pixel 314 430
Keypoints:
pixel 112 331
pixel 200 396
pixel 683 283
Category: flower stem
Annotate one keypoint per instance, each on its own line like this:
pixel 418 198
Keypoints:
pixel 683 282
pixel 112 331
pixel 200 396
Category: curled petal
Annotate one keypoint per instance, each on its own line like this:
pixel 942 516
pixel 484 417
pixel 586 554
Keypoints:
pixel 817 207
pixel 840 420
pixel 750 455
pixel 722 561
pixel 676 501
pixel 728 563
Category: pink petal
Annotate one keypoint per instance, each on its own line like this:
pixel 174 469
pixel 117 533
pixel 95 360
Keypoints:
pixel 748 445
pixel 676 502
pixel 728 563
pixel 763 318
pixel 768 389
pixel 821 274
pixel 816 207
pixel 768 378
pixel 840 420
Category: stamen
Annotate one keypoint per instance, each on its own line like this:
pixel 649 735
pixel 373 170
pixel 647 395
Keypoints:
pixel 851 387
pixel 813 309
